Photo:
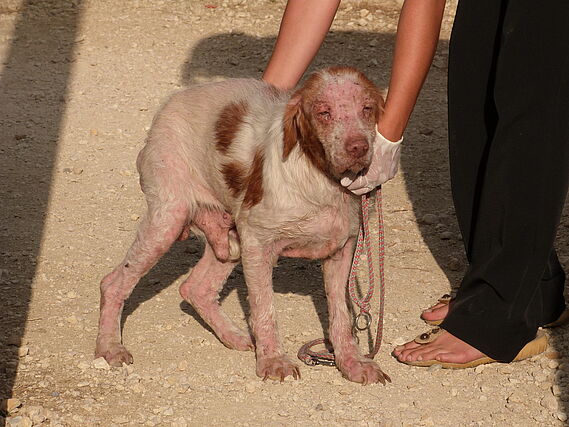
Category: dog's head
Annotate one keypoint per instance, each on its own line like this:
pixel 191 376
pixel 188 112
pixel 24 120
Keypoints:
pixel 333 118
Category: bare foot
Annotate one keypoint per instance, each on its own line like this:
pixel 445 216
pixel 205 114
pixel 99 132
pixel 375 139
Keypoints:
pixel 437 312
pixel 445 348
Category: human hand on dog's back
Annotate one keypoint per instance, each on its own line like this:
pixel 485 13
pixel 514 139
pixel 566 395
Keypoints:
pixel 303 28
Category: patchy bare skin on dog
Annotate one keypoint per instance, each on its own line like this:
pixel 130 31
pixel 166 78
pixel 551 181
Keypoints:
pixel 255 172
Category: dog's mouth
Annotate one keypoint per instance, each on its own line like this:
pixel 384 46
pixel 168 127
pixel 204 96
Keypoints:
pixel 354 168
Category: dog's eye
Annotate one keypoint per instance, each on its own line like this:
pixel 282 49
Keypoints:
pixel 324 115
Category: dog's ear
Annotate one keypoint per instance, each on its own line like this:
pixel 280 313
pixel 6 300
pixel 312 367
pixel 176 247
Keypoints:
pixel 293 116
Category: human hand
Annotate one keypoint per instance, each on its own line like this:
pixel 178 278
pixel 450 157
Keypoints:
pixel 383 167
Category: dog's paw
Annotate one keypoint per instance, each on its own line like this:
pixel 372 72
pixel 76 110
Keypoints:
pixel 277 368
pixel 115 354
pixel 237 340
pixel 362 370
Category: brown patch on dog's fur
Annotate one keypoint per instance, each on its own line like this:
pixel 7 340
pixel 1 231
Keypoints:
pixel 254 193
pixel 297 127
pixel 234 175
pixel 228 124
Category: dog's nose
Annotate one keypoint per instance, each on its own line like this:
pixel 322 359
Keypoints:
pixel 356 147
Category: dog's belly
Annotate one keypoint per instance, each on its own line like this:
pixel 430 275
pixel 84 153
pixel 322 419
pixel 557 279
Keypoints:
pixel 311 249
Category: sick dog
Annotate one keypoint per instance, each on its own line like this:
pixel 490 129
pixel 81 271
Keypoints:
pixel 256 172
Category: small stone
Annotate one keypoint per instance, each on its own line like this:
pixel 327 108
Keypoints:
pixel 454 264
pixel 23 351
pixel 549 402
pixel 19 421
pixel 453 392
pixel 479 369
pixel 426 131
pixel 429 219
pixel 134 217
pixel 553 364
pixel 72 320
pixel 77 170
pixel 373 43
pixel 319 407
pixel 183 365
pixel 251 387
pixel 556 390
pixel 561 416
pixel 516 397
pixel 168 412
pixel 83 365
pixel 101 363
pixel 8 405
pixel 435 367
pixel 362 22
pixel 445 235
pixel 71 294
pixel 364 13
pixel 94 132
pixel 122 419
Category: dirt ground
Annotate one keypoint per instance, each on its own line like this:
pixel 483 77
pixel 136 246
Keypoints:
pixel 80 81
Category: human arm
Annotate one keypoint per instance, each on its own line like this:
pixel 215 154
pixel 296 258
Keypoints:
pixel 415 45
pixel 304 26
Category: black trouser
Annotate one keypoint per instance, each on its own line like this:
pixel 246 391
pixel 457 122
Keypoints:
pixel 509 154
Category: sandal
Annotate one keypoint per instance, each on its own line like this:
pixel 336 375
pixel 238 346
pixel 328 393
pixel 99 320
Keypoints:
pixel 446 300
pixel 532 348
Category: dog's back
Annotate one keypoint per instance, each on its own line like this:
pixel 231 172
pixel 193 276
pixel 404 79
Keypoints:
pixel 205 139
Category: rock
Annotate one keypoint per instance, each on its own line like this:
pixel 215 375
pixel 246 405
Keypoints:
pixel 251 387
pixel 561 416
pixel 549 402
pixel 445 235
pixel 556 390
pixel 553 364
pixel 183 365
pixel 23 351
pixel 429 219
pixel 479 369
pixel 71 295
pixel 8 405
pixel 454 264
pixel 101 363
pixel 134 217
pixel 516 397
pixel 19 421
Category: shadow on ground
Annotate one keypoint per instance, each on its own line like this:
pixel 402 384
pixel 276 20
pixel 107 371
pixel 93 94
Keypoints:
pixel 34 86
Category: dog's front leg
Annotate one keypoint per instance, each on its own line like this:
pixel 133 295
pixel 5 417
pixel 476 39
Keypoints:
pixel 258 262
pixel 349 360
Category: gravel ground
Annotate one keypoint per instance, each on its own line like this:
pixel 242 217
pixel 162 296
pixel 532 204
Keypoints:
pixel 79 84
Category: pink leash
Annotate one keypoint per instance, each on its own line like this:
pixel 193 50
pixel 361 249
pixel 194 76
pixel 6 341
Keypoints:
pixel 363 319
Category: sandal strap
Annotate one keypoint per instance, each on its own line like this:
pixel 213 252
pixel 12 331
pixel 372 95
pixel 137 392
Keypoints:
pixel 428 337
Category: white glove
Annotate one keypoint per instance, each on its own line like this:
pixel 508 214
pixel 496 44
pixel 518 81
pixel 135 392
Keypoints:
pixel 383 167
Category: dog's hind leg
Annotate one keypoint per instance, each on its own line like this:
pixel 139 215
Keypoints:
pixel 201 290
pixel 158 230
